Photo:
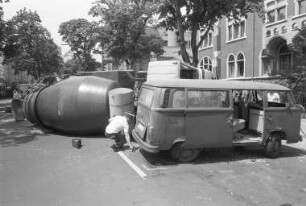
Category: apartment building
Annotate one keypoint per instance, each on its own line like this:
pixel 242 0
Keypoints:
pixel 252 47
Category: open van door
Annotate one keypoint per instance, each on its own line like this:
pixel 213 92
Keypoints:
pixel 282 115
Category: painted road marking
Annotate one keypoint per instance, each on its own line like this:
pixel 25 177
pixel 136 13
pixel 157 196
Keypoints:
pixel 152 169
pixel 132 165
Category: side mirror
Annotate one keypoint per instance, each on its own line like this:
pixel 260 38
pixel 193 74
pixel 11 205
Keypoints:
pixel 300 107
pixel 287 105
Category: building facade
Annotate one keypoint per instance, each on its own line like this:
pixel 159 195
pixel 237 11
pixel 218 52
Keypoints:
pixel 253 47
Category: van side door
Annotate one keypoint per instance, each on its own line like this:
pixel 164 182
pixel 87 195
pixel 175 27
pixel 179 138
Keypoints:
pixel 208 118
pixel 281 114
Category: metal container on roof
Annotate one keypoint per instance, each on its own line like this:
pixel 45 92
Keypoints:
pixel 78 105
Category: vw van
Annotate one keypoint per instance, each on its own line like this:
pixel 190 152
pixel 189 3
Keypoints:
pixel 185 116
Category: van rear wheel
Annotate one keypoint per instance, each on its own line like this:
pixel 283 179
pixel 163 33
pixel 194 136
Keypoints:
pixel 273 146
pixel 181 154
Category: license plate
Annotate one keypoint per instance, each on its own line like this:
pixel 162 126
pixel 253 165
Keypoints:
pixel 140 127
pixel 141 130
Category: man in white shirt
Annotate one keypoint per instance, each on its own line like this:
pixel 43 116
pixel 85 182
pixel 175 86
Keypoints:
pixel 273 97
pixel 118 130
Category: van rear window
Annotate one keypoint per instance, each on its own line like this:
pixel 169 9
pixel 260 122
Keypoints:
pixel 198 98
pixel 146 97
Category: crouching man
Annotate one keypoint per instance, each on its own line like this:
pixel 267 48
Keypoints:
pixel 118 130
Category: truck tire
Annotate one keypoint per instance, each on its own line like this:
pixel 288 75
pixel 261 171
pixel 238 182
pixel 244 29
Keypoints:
pixel 273 146
pixel 181 154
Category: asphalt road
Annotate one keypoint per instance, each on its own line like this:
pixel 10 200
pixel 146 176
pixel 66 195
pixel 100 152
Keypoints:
pixel 42 168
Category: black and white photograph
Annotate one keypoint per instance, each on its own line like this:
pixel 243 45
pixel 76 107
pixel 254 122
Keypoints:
pixel 152 102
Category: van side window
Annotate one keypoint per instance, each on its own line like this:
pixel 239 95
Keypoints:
pixel 146 97
pixel 219 99
pixel 279 99
pixel 178 99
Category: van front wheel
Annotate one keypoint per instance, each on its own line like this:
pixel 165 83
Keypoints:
pixel 273 146
pixel 181 154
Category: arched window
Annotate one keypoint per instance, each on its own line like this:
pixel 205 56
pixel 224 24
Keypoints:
pixel 231 66
pixel 206 63
pixel 240 65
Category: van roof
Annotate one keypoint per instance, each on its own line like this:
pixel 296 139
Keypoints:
pixel 215 84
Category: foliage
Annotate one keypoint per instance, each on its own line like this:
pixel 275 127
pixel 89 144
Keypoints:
pixel 2 25
pixel 29 46
pixel 124 24
pixel 82 37
pixel 195 15
pixel 299 46
pixel 296 79
pixel 72 66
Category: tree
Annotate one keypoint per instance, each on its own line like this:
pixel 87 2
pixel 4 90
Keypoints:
pixel 29 46
pixel 195 15
pixel 2 25
pixel 81 35
pixel 72 66
pixel 299 46
pixel 296 79
pixel 123 24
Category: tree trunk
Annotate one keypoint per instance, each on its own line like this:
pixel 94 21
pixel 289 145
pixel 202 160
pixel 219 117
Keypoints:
pixel 183 50
pixel 194 48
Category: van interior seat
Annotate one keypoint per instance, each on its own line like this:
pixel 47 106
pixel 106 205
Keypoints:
pixel 238 124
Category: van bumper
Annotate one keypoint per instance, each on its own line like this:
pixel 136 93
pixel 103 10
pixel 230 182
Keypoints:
pixel 144 145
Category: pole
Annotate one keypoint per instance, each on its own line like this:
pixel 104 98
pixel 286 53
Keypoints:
pixel 253 47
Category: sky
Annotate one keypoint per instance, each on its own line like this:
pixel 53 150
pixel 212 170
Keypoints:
pixel 52 13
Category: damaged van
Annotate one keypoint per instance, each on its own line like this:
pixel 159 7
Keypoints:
pixel 186 116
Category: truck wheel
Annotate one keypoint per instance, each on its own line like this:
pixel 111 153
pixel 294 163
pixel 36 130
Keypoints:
pixel 181 154
pixel 273 146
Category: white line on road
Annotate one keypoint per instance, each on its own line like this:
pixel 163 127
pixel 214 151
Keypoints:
pixel 131 164
pixel 152 169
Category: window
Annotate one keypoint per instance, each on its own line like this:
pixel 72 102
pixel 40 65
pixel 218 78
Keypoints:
pixel 178 99
pixel 276 11
pixel 207 42
pixel 208 99
pixel 235 30
pixel 146 97
pixel 242 28
pixel 240 65
pixel 279 99
pixel 206 63
pixel 231 66
pixel 230 32
pixel 271 16
pixel 285 58
pixel 302 7
pixel 281 13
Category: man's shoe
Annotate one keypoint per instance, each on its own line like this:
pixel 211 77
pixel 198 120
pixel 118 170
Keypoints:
pixel 115 148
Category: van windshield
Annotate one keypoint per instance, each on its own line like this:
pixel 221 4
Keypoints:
pixel 146 97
